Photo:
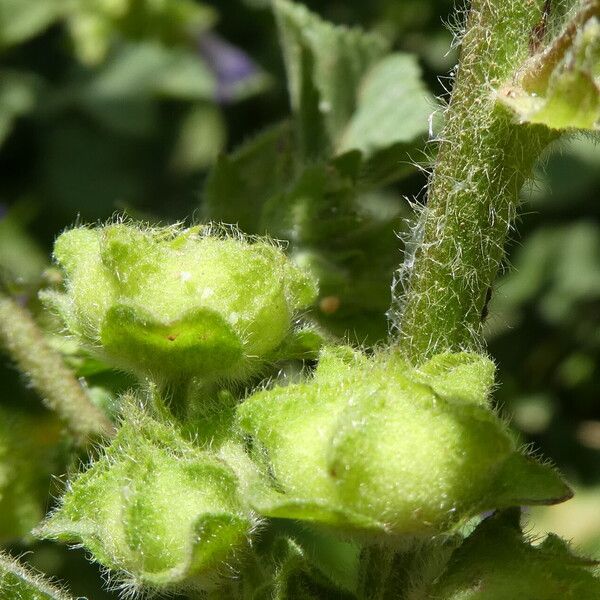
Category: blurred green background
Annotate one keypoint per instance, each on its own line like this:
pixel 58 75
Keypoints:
pixel 125 105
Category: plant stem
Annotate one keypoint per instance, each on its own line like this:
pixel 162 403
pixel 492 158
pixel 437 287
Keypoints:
pixel 377 569
pixel 482 163
pixel 17 582
pixel 387 573
pixel 48 374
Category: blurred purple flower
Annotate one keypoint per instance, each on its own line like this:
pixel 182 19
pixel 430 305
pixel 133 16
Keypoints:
pixel 231 67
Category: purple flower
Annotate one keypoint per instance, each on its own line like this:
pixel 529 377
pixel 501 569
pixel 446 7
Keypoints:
pixel 233 69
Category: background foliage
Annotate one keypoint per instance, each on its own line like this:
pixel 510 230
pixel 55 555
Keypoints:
pixel 131 105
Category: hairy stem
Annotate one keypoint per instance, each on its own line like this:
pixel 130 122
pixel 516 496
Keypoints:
pixel 19 583
pixel 48 374
pixel 377 573
pixel 482 163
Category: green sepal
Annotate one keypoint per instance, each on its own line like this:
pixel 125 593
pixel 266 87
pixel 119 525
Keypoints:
pixel 462 376
pixel 327 445
pixel 200 342
pixel 283 506
pixel 18 583
pixel 302 344
pixel 497 562
pixel 154 509
pixel 522 480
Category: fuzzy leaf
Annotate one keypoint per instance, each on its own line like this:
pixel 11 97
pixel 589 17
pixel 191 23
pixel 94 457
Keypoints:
pixel 324 65
pixel 154 508
pixel 18 96
pixel 497 563
pixel 241 183
pixel 17 583
pixel 24 19
pixel 461 375
pixel 200 342
pixel 392 114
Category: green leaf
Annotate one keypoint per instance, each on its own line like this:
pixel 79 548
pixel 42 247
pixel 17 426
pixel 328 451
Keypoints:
pixel 124 92
pixel 558 269
pixel 565 93
pixel 24 19
pixel 336 559
pixel 81 160
pixel 18 96
pixel 325 64
pixel 21 258
pixel 240 183
pixel 392 114
pixel 97 26
pixel 346 238
pixel 295 578
pixel 201 138
pixel 497 563
pixel 155 509
pixel 151 69
pixel 26 460
pixel 18 583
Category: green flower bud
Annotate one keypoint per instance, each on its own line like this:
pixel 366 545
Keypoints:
pixel 374 444
pixel 497 563
pixel 156 509
pixel 176 303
